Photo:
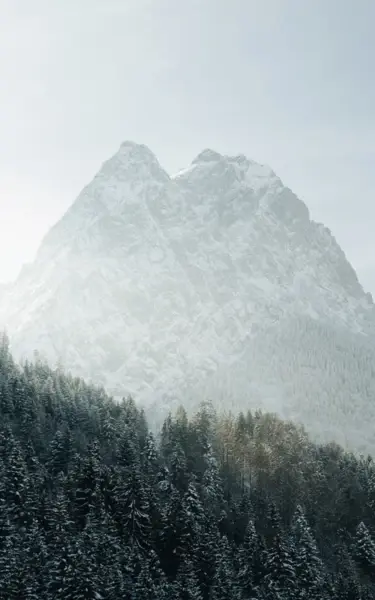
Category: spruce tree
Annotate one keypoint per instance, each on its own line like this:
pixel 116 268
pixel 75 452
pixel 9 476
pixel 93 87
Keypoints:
pixel 192 520
pixel 224 585
pixel 151 582
pixel 280 569
pixel 87 493
pixel 248 561
pixel 15 488
pixel 60 452
pixel 364 550
pixel 307 562
pixel 10 556
pixel 133 510
pixel 187 586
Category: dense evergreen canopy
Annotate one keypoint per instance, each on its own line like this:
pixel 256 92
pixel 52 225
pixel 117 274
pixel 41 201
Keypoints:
pixel 95 506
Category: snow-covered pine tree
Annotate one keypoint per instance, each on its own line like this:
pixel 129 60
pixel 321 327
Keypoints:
pixel 280 569
pixel 224 584
pixel 187 586
pixel 364 550
pixel 247 561
pixel 308 564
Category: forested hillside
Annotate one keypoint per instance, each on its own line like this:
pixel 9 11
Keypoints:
pixel 218 507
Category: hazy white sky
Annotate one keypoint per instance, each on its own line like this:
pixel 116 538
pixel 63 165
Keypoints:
pixel 287 82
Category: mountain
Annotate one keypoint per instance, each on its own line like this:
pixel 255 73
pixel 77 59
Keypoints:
pixel 211 284
pixel 4 287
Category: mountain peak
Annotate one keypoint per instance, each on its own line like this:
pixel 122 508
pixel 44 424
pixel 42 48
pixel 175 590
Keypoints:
pixel 225 170
pixel 136 151
pixel 206 156
pixel 131 162
pixel 131 154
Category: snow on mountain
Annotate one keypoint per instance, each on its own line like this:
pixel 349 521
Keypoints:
pixel 211 284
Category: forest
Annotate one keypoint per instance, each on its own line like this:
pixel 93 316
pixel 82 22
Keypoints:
pixel 96 506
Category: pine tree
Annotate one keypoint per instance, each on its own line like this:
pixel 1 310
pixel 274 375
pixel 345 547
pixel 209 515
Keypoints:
pixel 128 451
pixel 115 583
pixel 60 453
pixel 150 460
pixel 205 559
pixel 34 554
pixel 187 586
pixel 110 554
pixel 212 484
pixel 241 449
pixel 30 427
pixel 192 520
pixel 9 556
pixel 170 539
pixel 308 565
pixel 57 520
pixel 6 372
pixel 271 591
pixel 346 588
pixel 178 469
pixel 364 550
pixel 151 582
pixel 224 586
pixel 280 570
pixel 133 510
pixel 260 563
pixel 349 576
pixel 88 494
pixel 247 561
pixel 241 513
pixel 273 523
pixel 60 533
pixel 15 488
pixel 60 569
pixel 166 439
pixel 371 490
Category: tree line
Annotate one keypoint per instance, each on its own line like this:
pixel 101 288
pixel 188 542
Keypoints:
pixel 94 505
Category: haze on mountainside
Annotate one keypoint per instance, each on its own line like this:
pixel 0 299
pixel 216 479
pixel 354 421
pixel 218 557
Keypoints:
pixel 211 284
pixel 287 83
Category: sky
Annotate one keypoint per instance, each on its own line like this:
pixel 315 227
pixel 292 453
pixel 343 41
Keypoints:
pixel 289 83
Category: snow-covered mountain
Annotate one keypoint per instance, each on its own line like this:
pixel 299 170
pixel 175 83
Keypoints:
pixel 211 284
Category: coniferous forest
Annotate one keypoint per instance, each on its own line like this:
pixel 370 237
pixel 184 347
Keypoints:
pixel 93 505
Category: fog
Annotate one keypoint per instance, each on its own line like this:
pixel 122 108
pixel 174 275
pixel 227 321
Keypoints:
pixel 287 83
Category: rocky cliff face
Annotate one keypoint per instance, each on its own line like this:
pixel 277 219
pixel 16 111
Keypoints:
pixel 214 283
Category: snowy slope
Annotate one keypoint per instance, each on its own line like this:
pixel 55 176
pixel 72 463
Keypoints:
pixel 214 282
